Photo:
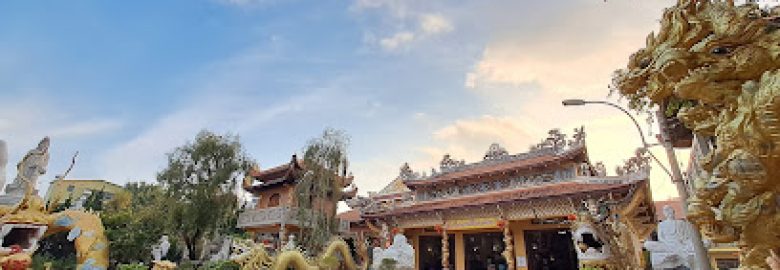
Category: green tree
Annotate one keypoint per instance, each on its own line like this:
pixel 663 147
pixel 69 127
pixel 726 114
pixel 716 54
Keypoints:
pixel 201 179
pixel 134 221
pixel 95 201
pixel 320 188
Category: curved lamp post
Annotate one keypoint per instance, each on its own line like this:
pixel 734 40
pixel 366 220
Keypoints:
pixel 645 145
pixel 702 258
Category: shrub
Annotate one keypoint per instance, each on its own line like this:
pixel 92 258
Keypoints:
pixel 220 265
pixel 137 266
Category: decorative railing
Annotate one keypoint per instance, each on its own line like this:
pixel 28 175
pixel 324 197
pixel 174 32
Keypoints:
pixel 276 216
pixel 268 216
pixel 555 176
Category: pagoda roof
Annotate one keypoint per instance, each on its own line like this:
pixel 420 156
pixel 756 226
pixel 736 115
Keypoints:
pixel 533 160
pixel 561 189
pixel 286 173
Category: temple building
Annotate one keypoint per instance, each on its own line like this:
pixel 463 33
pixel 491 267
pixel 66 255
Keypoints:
pixel 274 216
pixel 507 211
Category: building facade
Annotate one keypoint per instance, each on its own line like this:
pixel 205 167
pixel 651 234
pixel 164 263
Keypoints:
pixel 508 211
pixel 275 214
pixel 78 190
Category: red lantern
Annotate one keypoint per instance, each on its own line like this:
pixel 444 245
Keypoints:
pixel 266 242
pixel 501 223
pixel 396 231
pixel 16 249
pixel 438 228
pixel 571 217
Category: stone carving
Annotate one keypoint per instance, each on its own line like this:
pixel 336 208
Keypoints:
pixel 29 169
pixel 639 163
pixel 447 163
pixel 719 63
pixel 674 247
pixel 406 172
pixel 224 250
pixel 400 251
pixel 161 249
pixel 3 162
pixel 290 245
pixel 600 169
pixel 588 245
pixel 495 152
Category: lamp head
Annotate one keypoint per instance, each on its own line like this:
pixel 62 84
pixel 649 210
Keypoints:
pixel 573 102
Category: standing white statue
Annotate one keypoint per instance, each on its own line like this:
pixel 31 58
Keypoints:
pixel 400 251
pixel 674 247
pixel 3 162
pixel 29 169
pixel 290 245
pixel 161 249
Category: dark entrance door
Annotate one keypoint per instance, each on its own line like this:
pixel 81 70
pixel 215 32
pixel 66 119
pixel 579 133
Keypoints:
pixel 550 250
pixel 430 252
pixel 483 251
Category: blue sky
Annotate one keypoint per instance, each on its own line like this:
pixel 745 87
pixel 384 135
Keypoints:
pixel 126 82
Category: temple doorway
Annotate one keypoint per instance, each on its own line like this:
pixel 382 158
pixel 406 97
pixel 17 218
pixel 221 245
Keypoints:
pixel 430 252
pixel 550 250
pixel 483 251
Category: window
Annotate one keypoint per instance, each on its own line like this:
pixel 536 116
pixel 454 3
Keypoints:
pixel 71 188
pixel 274 200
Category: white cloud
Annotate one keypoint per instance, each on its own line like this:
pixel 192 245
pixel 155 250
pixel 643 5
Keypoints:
pixel 86 128
pixel 396 41
pixel 435 24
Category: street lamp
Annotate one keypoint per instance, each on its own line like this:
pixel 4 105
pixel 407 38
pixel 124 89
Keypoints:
pixel 645 145
pixel 702 257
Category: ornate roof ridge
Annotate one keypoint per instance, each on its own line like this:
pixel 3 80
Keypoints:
pixel 554 145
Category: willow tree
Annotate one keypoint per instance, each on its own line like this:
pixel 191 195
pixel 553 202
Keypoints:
pixel 321 187
pixel 201 180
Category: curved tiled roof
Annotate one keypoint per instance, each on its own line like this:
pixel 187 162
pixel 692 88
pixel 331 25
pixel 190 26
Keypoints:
pixel 514 163
pixel 562 189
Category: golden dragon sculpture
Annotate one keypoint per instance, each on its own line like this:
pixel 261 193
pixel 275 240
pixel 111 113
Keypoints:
pixel 723 60
pixel 26 222
pixel 251 256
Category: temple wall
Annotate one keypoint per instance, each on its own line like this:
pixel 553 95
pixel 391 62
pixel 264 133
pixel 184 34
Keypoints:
pixel 285 192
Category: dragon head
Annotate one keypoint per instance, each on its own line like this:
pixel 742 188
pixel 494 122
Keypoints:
pixel 704 52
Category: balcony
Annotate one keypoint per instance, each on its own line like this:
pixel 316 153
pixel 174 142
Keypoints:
pixel 276 216
pixel 268 216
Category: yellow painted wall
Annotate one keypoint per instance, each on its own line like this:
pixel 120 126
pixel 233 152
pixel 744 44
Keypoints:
pixel 58 190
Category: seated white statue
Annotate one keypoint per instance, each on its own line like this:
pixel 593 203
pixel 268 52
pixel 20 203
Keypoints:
pixel 674 247
pixel 400 251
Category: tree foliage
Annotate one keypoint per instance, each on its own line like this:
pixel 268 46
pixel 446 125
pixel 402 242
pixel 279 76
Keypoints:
pixel 201 179
pixel 320 188
pixel 135 221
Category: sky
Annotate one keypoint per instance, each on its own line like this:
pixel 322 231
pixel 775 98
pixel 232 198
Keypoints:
pixel 124 83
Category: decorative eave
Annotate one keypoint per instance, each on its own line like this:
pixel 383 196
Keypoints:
pixel 287 173
pixel 572 189
pixel 511 165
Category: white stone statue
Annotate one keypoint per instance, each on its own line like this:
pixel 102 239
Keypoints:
pixel 29 169
pixel 3 162
pixel 161 249
pixel 400 251
pixel 290 245
pixel 224 250
pixel 674 247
